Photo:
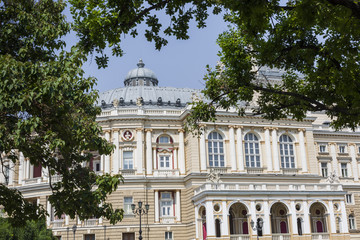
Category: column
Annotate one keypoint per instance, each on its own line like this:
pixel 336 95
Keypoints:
pixel 156 207
pixel 196 222
pixel 107 157
pixel 306 218
pixel 354 163
pixel 154 158
pixel 67 218
pixel 253 215
pixel 175 158
pixel 332 217
pixel 232 148
pixel 139 150
pixel 225 220
pixel 303 150
pixel 27 169
pixel 48 209
pixel 149 166
pixel 202 152
pixel 115 160
pixel 266 229
pixel 240 153
pixel 177 206
pixel 344 217
pixel 268 150
pixel 11 172
pixel 334 158
pixel 181 156
pixel 21 168
pixel 45 173
pixel 275 150
pixel 210 221
pixel 293 218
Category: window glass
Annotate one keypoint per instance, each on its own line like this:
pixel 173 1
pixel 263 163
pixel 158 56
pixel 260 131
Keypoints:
pixel 344 170
pixel 348 198
pixel 252 152
pixel 128 159
pixel 168 236
pixel 342 149
pixel 127 205
pixel 164 139
pixel 352 222
pixel 216 150
pixel 322 148
pixel 165 162
pixel 287 152
pixel 324 169
pixel 166 205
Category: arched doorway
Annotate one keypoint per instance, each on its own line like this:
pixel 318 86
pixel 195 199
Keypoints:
pixel 238 219
pixel 318 218
pixel 279 218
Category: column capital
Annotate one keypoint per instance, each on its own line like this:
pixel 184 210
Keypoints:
pixel 352 144
pixel 202 125
pixel 232 126
pixel 116 130
pixel 107 131
pixel 240 127
pixel 301 129
pixel 274 128
pixel 148 130
pixel 331 143
pixel 139 129
pixel 181 130
pixel 267 128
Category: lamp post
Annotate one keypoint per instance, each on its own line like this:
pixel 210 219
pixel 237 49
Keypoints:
pixel 74 230
pixel 140 210
pixel 258 227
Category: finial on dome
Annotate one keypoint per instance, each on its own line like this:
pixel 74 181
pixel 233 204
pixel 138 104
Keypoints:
pixel 140 63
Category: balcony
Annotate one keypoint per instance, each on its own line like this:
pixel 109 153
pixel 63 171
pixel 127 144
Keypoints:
pixel 240 237
pixel 220 170
pixel 32 180
pixel 166 172
pixel 268 187
pixel 289 171
pixel 281 236
pixel 320 236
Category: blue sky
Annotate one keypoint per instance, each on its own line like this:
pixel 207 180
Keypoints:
pixel 182 63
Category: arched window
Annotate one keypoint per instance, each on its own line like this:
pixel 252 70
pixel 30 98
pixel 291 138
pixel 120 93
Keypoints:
pixel 164 150
pixel 252 152
pixel 216 150
pixel 287 152
pixel 352 222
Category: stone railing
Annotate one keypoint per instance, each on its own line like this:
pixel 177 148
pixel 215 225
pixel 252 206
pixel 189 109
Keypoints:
pixel 254 170
pixel 320 236
pixel 239 237
pixel 58 223
pixel 167 219
pixel 136 111
pixel 90 222
pixel 56 178
pixel 267 187
pixel 281 236
pixel 127 172
pixel 220 170
pixel 32 180
pixel 166 172
pixel 289 171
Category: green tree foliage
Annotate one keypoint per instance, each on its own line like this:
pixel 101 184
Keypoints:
pixel 316 43
pixel 47 113
pixel 31 230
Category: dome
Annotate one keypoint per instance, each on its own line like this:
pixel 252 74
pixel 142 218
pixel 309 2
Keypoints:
pixel 141 76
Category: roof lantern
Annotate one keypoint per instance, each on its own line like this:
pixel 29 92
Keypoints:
pixel 140 76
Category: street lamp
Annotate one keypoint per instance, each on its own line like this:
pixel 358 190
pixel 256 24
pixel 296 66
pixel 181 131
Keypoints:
pixel 74 230
pixel 258 227
pixel 140 210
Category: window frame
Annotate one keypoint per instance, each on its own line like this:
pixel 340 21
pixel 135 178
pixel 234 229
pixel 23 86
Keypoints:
pixel 323 148
pixel 352 223
pixel 126 164
pixel 324 169
pixel 170 160
pixel 218 156
pixel 169 208
pixel 169 235
pixel 344 171
pixel 128 206
pixel 342 149
pixel 349 199
pixel 252 150
pixel 287 146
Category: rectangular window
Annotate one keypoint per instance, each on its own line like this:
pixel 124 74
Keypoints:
pixel 342 149
pixel 164 162
pixel 322 148
pixel 344 170
pixel 127 205
pixel 128 160
pixel 348 198
pixel 324 169
pixel 166 204
pixel 128 236
pixel 89 237
pixel 168 236
pixel 97 166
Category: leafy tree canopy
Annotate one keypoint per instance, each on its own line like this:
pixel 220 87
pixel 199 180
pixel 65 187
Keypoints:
pixel 316 43
pixel 47 113
pixel 31 230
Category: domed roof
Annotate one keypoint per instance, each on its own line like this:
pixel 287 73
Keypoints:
pixel 141 76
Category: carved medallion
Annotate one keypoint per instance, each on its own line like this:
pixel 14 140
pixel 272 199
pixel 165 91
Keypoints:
pixel 127 135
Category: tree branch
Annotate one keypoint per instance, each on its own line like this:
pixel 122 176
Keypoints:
pixel 354 7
